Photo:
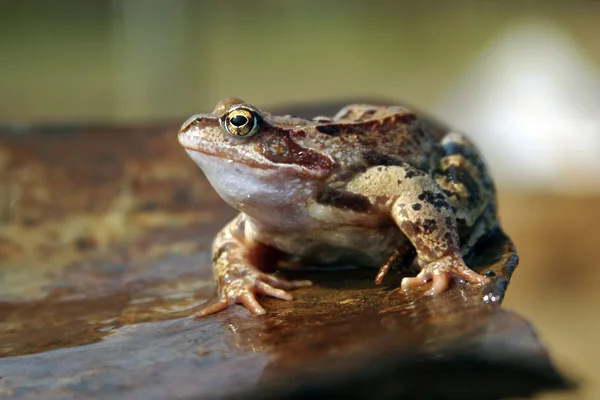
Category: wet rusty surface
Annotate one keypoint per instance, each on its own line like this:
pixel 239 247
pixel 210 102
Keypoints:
pixel 104 253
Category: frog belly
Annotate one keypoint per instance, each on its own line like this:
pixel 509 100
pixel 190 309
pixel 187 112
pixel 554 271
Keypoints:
pixel 342 246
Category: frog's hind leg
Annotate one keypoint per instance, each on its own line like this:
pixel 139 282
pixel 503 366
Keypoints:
pixel 463 177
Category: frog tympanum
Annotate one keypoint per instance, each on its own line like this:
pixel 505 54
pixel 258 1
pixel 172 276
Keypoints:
pixel 371 186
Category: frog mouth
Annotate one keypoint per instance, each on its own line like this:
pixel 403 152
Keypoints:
pixel 204 151
pixel 198 147
pixel 204 137
pixel 202 134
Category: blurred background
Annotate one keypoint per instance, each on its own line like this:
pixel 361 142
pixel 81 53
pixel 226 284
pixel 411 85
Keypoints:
pixel 519 77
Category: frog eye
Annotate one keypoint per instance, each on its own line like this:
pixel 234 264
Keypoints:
pixel 240 122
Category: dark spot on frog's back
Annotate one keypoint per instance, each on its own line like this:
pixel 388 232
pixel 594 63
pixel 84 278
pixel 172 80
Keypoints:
pixel 428 226
pixel 411 173
pixel 343 199
pixel 459 174
pixel 406 117
pixel 437 200
pixel 373 158
pixel 332 129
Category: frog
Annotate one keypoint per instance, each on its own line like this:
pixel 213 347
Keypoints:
pixel 372 186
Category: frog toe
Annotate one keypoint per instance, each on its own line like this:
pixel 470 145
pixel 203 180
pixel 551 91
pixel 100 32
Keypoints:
pixel 242 295
pixel 280 283
pixel 468 275
pixel 249 301
pixel 421 279
pixel 212 307
pixel 440 283
pixel 269 290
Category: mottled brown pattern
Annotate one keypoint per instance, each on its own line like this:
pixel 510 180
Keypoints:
pixel 437 200
pixel 279 148
pixel 340 185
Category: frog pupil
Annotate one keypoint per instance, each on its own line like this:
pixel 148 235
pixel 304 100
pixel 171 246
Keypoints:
pixel 239 120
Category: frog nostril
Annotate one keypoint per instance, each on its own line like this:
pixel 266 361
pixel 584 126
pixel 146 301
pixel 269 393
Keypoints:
pixel 189 122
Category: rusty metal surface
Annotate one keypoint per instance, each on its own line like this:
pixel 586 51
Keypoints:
pixel 104 252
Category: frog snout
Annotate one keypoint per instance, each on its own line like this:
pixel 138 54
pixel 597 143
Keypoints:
pixel 194 118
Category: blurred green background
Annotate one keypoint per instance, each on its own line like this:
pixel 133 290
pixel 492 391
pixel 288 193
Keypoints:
pixel 129 60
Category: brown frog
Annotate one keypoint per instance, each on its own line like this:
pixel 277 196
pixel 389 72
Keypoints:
pixel 371 186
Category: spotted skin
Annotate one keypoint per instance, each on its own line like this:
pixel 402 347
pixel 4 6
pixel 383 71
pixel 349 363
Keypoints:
pixel 373 186
pixel 465 180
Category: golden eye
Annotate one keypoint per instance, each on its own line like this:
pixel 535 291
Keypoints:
pixel 240 122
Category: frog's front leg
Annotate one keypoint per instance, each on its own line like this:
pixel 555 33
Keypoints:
pixel 236 260
pixel 424 215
